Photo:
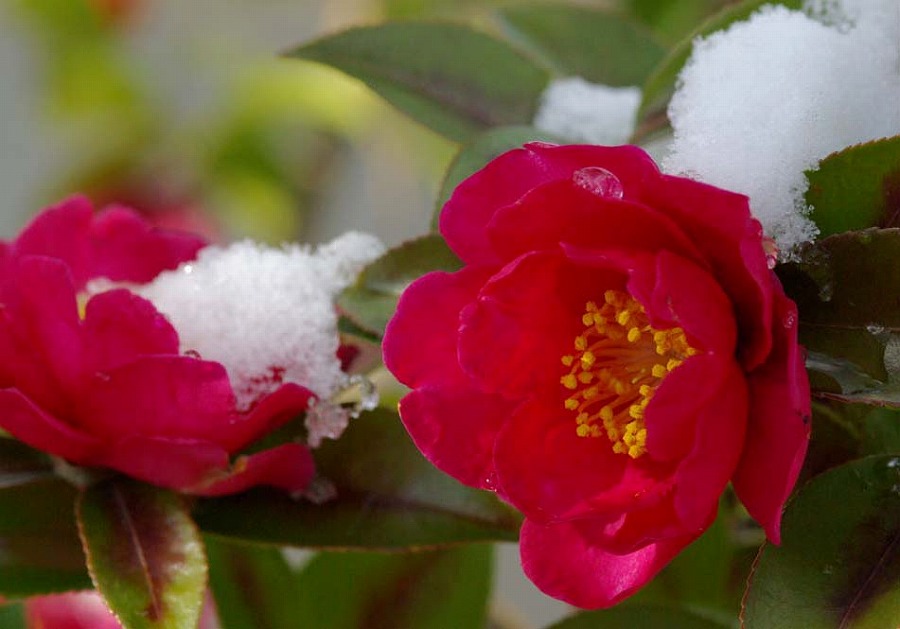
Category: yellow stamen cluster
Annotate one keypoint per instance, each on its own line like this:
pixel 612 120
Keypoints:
pixel 618 363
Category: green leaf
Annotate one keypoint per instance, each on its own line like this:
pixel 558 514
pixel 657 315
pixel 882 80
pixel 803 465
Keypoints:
pixel 144 554
pixel 849 320
pixel 857 187
pixel 388 497
pixel 453 79
pixel 638 617
pixel 12 616
pixel 474 155
pixel 20 464
pixel 254 586
pixel 579 41
pixel 425 590
pixel 39 548
pixel 660 84
pixel 839 562
pixel 371 301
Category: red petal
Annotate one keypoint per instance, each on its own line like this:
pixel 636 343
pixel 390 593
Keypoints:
pixel 455 429
pixel 269 413
pixel 588 220
pixel 289 467
pixel 25 421
pixel 119 327
pixel 507 178
pixel 525 319
pixel 719 222
pixel 778 427
pixel 718 440
pixel 168 462
pixel 420 341
pixel 72 610
pixel 564 561
pixel 160 396
pixel 549 473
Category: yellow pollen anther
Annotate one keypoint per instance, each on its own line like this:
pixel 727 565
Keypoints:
pixel 619 362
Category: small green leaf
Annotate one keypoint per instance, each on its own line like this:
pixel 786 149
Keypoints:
pixel 371 301
pixel 144 554
pixel 597 45
pixel 850 327
pixel 839 562
pixel 20 464
pixel 857 187
pixel 39 548
pixel 639 617
pixel 388 497
pixel 474 155
pixel 254 586
pixel 425 590
pixel 453 79
pixel 660 84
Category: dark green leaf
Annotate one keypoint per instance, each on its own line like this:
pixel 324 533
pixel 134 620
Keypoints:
pixel 474 155
pixel 254 587
pixel 371 301
pixel 639 617
pixel 839 562
pixel 12 616
pixel 846 291
pixel 425 590
pixel 579 41
pixel 453 79
pixel 856 188
pixel 661 83
pixel 144 553
pixel 39 548
pixel 20 464
pixel 388 497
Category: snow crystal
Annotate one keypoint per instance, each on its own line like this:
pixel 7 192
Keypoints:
pixel 765 100
pixel 266 314
pixel 579 111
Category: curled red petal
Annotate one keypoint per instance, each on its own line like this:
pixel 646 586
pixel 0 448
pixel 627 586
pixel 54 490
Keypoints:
pixel 120 326
pixel 778 426
pixel 269 413
pixel 289 467
pixel 25 421
pixel 528 314
pixel 177 463
pixel 535 222
pixel 419 344
pixel 565 562
pixel 507 178
pixel 166 396
pixel 455 429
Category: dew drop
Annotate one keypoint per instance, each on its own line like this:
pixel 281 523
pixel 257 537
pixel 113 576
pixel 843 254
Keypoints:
pixel 187 269
pixel 490 481
pixel 894 463
pixel 874 328
pixel 599 181
pixel 790 320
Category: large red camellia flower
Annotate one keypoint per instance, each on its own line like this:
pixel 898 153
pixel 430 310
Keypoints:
pixel 100 381
pixel 613 353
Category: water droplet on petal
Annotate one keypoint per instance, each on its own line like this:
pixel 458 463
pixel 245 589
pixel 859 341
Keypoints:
pixel 490 481
pixel 790 320
pixel 599 181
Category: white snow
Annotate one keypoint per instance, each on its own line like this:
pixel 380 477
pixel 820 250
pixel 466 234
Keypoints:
pixel 266 314
pixel 579 111
pixel 767 99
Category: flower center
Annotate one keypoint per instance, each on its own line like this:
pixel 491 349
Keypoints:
pixel 619 362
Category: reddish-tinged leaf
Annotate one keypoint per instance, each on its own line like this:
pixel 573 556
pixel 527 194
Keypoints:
pixel 838 566
pixel 144 554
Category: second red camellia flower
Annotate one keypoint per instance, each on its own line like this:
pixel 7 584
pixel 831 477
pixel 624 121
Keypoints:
pixel 614 352
pixel 100 380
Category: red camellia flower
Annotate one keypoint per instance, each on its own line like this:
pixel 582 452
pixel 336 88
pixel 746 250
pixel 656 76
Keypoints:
pixel 100 381
pixel 613 353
